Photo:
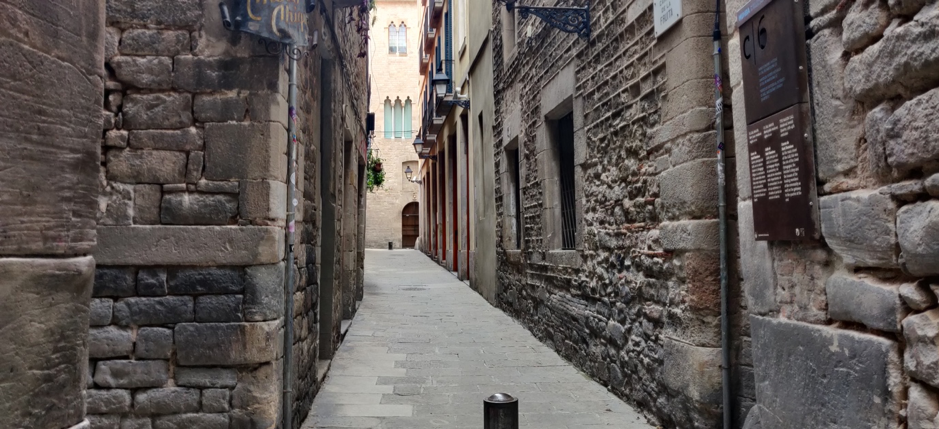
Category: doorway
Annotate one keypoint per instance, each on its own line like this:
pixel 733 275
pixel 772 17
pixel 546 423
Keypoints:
pixel 410 225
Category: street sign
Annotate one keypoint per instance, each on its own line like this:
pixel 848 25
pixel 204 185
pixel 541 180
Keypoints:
pixel 282 21
pixel 666 14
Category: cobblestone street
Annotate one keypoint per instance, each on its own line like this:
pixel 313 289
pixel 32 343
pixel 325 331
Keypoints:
pixel 425 350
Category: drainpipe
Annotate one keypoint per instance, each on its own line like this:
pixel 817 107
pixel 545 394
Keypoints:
pixel 722 216
pixel 291 229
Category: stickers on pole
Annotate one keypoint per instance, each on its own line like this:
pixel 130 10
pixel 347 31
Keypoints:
pixel 666 13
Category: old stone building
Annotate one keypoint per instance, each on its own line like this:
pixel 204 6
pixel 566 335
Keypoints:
pixel 394 208
pixel 182 201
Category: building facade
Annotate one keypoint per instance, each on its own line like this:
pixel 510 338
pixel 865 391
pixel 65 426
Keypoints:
pixel 394 208
pixel 163 262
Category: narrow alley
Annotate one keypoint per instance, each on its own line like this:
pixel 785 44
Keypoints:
pixel 425 350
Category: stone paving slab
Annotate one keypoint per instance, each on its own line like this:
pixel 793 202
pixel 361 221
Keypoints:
pixel 424 351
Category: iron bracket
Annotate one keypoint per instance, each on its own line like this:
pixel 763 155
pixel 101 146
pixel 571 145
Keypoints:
pixel 567 19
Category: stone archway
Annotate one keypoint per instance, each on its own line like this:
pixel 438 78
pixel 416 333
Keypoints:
pixel 410 225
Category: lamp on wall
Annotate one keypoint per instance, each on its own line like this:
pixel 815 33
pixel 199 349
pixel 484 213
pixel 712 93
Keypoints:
pixel 408 172
pixel 440 81
pixel 418 145
pixel 567 19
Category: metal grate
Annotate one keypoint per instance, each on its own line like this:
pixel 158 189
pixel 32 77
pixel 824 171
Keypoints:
pixel 568 198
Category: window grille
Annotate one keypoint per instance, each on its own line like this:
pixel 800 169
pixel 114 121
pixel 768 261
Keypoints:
pixel 565 128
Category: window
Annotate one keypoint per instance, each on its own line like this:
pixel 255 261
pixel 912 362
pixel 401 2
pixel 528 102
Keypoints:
pixel 398 120
pixel 565 151
pixel 389 125
pixel 398 39
pixel 513 200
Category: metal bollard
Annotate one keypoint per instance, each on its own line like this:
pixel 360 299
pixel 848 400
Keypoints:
pixel 391 245
pixel 500 411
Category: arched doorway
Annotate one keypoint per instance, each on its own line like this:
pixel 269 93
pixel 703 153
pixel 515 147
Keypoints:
pixel 410 225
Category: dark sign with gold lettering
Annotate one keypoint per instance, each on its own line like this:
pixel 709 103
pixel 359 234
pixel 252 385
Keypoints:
pixel 284 21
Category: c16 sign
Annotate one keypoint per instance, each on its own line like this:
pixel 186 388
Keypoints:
pixel 666 13
pixel 284 21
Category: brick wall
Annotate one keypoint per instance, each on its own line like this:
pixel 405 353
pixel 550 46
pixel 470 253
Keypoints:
pixel 188 309
pixel 636 304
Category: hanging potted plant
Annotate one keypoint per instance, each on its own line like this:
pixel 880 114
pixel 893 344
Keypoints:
pixel 375 172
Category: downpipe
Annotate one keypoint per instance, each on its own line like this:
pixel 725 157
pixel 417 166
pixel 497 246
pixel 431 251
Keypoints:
pixel 722 220
pixel 290 234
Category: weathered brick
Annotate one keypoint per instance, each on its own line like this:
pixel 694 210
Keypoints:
pixel 254 400
pixel 101 311
pixel 113 281
pixel 129 422
pixel 918 231
pixel 153 311
pixel 861 227
pixel 147 199
pixel 171 400
pixel 148 166
pixel 181 140
pixel 107 401
pixel 194 245
pixel 118 200
pixel 195 281
pixel 157 111
pixel 194 168
pixel 170 13
pixel 834 119
pixel 264 297
pixel 104 421
pixel 206 377
pixel 865 22
pixel 921 356
pixel 131 374
pixel 215 400
pixel 268 107
pixel 144 72
pixel 254 151
pixel 201 74
pixel 116 138
pixel 923 409
pixel 198 209
pixel 219 108
pixel 262 199
pixel 227 343
pixel 686 190
pixel 918 295
pixel 188 421
pixel 110 342
pixel 154 343
pixel 151 282
pixel 219 308
pixel 218 187
pixel 154 42
pixel 865 300
pixel 909 133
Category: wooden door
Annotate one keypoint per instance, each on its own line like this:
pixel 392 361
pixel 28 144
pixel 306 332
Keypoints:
pixel 410 225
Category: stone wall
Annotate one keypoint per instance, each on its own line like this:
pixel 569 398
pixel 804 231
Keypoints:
pixel 861 300
pixel 51 63
pixel 636 304
pixel 188 309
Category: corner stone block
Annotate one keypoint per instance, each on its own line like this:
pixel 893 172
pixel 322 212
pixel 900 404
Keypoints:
pixel 44 314
pixel 921 357
pixel 179 140
pixel 256 399
pixel 689 190
pixel 107 401
pixel 197 281
pixel 219 308
pixel 253 151
pixel 101 311
pixel 203 74
pixel 923 409
pixel 264 296
pixel 263 199
pixel 110 342
pixel 206 377
pixel 189 421
pixel 690 235
pixel 203 344
pixel 182 208
pixel 153 311
pixel 128 374
pixel 157 111
pixel 837 130
pixel 190 245
pixel 114 282
pixel 866 301
pixel 861 227
pixel 146 166
pixel 171 400
pixel 220 108
pixel 694 371
pixel 918 230
pixel 268 107
pixel 216 401
pixel 802 371
pixel 154 42
pixel 154 343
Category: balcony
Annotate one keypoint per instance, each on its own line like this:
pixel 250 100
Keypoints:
pixel 425 62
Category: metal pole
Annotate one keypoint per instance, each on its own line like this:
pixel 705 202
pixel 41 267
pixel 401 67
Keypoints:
pixel 722 216
pixel 291 229
pixel 500 411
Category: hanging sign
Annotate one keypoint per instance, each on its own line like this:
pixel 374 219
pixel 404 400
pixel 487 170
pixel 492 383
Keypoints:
pixel 666 13
pixel 284 21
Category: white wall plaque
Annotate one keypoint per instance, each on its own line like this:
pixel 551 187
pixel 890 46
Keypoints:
pixel 666 14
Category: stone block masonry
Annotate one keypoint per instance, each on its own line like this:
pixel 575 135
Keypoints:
pixel 187 312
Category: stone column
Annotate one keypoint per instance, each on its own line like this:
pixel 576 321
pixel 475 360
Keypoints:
pixel 51 63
